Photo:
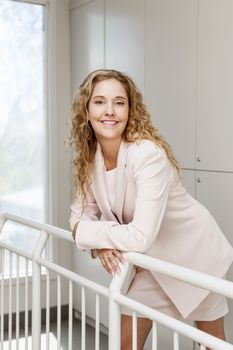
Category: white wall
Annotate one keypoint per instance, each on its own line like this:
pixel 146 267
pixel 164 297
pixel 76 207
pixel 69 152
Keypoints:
pixel 59 105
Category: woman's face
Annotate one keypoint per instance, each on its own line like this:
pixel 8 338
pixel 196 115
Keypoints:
pixel 108 110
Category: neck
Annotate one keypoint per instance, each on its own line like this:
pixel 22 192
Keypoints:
pixel 110 151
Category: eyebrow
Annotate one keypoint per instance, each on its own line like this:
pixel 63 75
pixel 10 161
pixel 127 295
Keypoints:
pixel 121 97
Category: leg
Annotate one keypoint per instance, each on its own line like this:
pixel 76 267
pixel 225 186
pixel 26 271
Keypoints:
pixel 143 328
pixel 215 328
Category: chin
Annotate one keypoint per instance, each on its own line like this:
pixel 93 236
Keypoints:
pixel 108 137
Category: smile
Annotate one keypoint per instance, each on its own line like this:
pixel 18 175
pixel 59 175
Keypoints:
pixel 109 122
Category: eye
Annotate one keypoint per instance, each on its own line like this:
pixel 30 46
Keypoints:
pixel 98 102
pixel 120 103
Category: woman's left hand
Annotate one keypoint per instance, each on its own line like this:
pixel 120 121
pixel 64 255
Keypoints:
pixel 111 259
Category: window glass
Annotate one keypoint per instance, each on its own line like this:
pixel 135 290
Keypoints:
pixel 23 169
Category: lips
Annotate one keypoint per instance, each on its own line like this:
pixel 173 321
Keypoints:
pixel 109 122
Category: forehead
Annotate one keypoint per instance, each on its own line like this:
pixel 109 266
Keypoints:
pixel 110 86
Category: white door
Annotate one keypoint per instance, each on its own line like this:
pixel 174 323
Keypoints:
pixel 170 72
pixel 124 38
pixel 215 191
pixel 87 40
pixel 215 85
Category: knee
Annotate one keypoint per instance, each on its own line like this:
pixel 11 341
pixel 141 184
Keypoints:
pixel 215 328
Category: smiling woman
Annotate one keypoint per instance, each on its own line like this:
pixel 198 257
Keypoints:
pixel 130 198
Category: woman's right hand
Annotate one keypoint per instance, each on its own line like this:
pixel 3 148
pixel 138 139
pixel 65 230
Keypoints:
pixel 111 259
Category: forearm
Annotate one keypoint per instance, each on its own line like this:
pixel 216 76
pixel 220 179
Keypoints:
pixel 93 252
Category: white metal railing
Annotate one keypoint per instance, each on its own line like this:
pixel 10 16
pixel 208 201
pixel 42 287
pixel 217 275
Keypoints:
pixel 37 262
pixel 195 278
pixel 114 295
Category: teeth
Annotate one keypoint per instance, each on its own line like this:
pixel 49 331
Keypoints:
pixel 108 122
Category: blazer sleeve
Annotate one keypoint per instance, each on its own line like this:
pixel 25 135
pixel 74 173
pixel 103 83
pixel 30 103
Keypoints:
pixel 152 171
pixel 91 210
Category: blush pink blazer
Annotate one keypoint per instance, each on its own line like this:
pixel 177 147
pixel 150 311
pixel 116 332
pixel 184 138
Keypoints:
pixel 153 214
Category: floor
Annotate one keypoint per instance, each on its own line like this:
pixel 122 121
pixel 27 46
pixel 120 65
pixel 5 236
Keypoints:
pixel 90 338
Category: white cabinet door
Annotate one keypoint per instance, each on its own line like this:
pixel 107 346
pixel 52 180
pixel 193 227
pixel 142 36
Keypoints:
pixel 87 40
pixel 170 72
pixel 188 180
pixel 215 191
pixel 124 38
pixel 215 85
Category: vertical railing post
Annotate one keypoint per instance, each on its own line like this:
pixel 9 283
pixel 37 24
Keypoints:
pixel 114 331
pixel 36 291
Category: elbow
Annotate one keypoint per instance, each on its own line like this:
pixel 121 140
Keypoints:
pixel 141 242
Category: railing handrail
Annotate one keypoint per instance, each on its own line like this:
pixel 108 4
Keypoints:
pixel 49 229
pixel 74 277
pixel 181 273
pixel 15 250
pixel 174 324
pixel 184 274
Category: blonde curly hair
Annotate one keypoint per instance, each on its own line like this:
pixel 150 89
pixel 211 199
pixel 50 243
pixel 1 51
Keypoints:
pixel 138 127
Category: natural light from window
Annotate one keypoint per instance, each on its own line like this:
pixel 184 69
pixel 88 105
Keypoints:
pixel 23 169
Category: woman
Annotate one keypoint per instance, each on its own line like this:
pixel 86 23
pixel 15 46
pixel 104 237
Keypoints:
pixel 130 198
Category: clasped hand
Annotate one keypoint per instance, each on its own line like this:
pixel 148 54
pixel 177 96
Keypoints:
pixel 111 259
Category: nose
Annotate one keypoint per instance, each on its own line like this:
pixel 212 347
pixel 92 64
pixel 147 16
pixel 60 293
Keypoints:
pixel 109 109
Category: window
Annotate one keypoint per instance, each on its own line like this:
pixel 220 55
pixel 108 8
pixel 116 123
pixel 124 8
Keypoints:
pixel 23 147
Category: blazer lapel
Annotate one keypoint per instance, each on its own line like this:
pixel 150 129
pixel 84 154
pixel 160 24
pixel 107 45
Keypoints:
pixel 121 181
pixel 99 183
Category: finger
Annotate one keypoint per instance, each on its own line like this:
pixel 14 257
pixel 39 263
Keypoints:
pixel 116 264
pixel 103 262
pixel 111 265
pixel 119 256
pixel 110 262
pixel 108 265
